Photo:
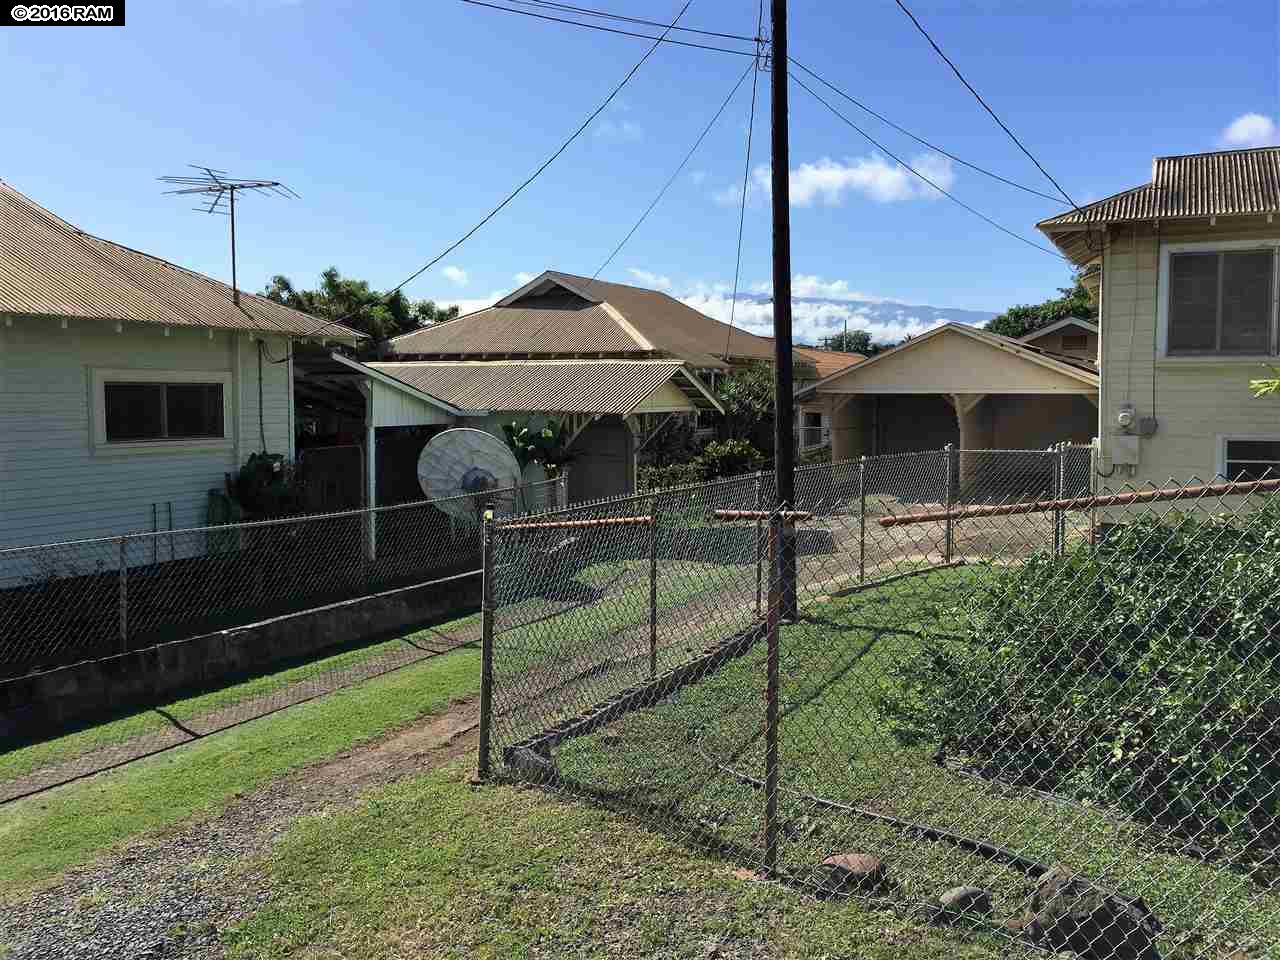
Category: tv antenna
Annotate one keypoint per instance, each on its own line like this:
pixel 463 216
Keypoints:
pixel 220 188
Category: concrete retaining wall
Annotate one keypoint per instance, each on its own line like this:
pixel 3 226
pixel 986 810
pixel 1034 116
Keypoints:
pixel 40 703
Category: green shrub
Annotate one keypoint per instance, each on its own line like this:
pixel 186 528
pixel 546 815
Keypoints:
pixel 671 475
pixel 1143 674
pixel 728 458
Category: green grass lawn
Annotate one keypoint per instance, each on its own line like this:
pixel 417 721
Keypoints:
pixel 833 744
pixel 24 760
pixel 435 868
pixel 47 833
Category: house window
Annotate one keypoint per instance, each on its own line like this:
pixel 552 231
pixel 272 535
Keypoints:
pixel 811 432
pixel 1221 302
pixel 1251 458
pixel 162 411
pixel 1075 342
pixel 157 410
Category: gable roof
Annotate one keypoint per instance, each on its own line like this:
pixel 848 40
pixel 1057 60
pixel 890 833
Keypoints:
pixel 49 267
pixel 560 313
pixel 827 362
pixel 547 386
pixel 1224 183
pixel 1071 368
pixel 1056 326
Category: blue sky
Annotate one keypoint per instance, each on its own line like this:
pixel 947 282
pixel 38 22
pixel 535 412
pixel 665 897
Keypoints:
pixel 401 124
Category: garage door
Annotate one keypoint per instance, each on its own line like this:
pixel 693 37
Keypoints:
pixel 602 465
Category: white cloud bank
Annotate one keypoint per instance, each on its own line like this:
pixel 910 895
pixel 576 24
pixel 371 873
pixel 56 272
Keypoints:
pixel 1251 130
pixel 811 322
pixel 655 281
pixel 455 275
pixel 829 182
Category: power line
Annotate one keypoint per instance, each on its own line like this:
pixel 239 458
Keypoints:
pixel 596 26
pixel 590 12
pixel 950 196
pixel 985 106
pixel 932 146
pixel 528 180
pixel 683 163
pixel 742 205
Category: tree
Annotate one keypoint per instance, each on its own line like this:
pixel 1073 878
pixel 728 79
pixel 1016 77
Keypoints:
pixel 855 341
pixel 1074 302
pixel 357 305
pixel 747 398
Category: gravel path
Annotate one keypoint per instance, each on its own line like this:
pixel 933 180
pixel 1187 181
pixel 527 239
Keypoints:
pixel 174 895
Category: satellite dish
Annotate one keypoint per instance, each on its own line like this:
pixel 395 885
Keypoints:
pixel 462 461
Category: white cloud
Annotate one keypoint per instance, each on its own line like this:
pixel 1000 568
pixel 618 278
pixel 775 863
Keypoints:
pixel 811 322
pixel 455 274
pixel 699 177
pixel 1251 130
pixel 809 285
pixel 471 305
pixel 828 181
pixel 522 278
pixel 618 131
pixel 655 280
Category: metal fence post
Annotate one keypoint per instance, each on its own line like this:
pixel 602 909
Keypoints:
pixel 124 595
pixel 949 541
pixel 1057 486
pixel 486 643
pixel 759 543
pixel 653 590
pixel 776 560
pixel 862 519
pixel 562 488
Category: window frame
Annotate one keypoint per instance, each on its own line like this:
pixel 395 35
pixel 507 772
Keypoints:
pixel 1226 438
pixel 101 376
pixel 1167 250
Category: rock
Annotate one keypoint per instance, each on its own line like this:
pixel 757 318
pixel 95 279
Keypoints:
pixel 534 766
pixel 1069 913
pixel 847 872
pixel 966 901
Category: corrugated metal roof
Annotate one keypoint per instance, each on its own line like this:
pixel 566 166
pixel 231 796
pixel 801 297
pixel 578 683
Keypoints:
pixel 1226 183
pixel 537 386
pixel 588 316
pixel 49 267
pixel 827 362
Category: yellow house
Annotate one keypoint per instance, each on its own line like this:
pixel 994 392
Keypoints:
pixel 1186 270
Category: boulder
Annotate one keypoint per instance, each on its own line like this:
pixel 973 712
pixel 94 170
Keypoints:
pixel 848 872
pixel 1067 912
pixel 966 901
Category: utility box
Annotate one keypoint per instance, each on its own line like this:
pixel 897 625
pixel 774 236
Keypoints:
pixel 1125 450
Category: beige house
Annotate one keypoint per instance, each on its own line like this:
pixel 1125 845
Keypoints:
pixel 960 385
pixel 1188 296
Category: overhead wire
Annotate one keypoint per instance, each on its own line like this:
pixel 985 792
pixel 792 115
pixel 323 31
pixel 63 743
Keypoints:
pixel 921 140
pixel 596 26
pixel 985 106
pixel 592 12
pixel 742 201
pixel 578 131
pixel 946 193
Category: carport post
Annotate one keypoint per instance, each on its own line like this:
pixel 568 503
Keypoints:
pixel 653 589
pixel 946 480
pixel 486 643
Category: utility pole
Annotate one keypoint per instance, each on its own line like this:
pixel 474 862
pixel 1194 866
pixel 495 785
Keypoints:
pixel 784 448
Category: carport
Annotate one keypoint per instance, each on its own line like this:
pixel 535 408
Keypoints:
pixel 959 385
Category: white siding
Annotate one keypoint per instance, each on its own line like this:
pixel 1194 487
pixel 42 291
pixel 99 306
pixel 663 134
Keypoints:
pixel 53 487
pixel 1195 403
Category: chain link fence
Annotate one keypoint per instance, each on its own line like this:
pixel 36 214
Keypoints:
pixel 85 599
pixel 98 598
pixel 970 685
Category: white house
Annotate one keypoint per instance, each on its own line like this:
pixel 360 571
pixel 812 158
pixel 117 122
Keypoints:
pixel 1189 267
pixel 128 386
